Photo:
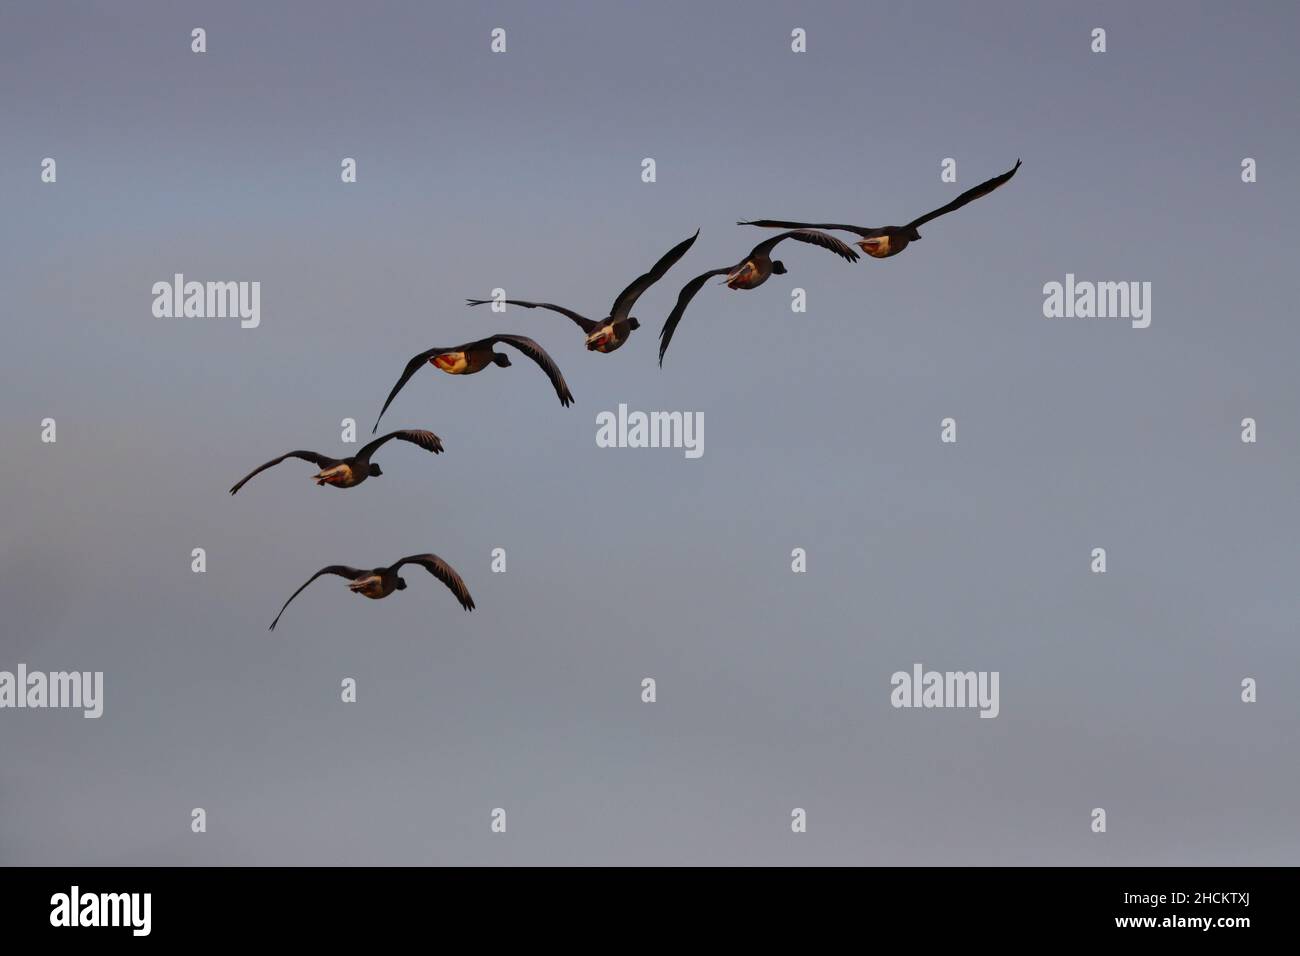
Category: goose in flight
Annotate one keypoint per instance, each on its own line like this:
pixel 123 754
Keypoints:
pixel 349 472
pixel 378 583
pixel 474 357
pixel 750 273
pixel 881 242
pixel 611 332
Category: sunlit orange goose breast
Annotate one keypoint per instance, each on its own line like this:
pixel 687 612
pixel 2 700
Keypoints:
pixel 746 277
pixel 462 363
pixel 372 587
pixel 341 476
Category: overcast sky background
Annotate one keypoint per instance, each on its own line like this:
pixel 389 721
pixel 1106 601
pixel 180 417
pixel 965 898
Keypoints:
pixel 821 431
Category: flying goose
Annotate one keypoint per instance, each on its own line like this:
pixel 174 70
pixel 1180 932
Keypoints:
pixel 611 332
pixel 474 357
pixel 378 583
pixel 749 273
pixel 349 472
pixel 885 241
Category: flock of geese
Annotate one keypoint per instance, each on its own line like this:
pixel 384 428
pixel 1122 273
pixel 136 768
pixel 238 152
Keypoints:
pixel 607 335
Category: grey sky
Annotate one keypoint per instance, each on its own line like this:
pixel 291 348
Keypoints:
pixel 523 171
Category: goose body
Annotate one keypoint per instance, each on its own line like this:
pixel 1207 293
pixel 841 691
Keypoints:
pixel 473 357
pixel 350 472
pixel 611 332
pixel 883 242
pixel 377 583
pixel 750 273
